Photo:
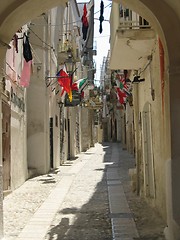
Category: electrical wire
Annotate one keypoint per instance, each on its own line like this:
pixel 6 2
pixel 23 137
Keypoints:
pixel 102 36
pixel 104 8
pixel 51 47
pixel 150 58
pixel 144 69
pixel 64 24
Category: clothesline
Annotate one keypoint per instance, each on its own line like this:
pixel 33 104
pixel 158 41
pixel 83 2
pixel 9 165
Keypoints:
pixel 53 25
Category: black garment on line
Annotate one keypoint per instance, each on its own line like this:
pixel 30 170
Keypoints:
pixel 84 31
pixel 27 49
pixel 101 18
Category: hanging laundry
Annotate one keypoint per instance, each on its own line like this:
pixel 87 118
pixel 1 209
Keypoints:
pixel 27 49
pixel 85 23
pixel 101 18
pixel 88 43
pixel 26 73
pixel 15 42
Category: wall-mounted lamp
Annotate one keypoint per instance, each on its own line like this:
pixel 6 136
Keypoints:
pixel 69 53
pixel 69 64
pixel 138 80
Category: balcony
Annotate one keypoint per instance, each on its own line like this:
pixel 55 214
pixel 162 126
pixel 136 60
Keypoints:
pixel 132 39
pixel 68 48
pixel 64 49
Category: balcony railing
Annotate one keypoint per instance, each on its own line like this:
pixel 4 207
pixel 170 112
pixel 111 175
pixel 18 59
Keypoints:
pixel 131 20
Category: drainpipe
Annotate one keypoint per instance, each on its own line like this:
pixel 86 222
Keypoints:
pixel 137 137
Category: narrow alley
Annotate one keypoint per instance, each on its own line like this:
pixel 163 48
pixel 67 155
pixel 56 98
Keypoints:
pixel 87 198
pixel 90 120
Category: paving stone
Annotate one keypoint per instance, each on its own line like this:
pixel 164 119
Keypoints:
pixel 75 203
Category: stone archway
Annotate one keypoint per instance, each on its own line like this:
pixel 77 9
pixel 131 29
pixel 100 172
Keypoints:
pixel 164 16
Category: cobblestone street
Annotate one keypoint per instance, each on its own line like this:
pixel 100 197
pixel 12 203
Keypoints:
pixel 84 213
pixel 77 201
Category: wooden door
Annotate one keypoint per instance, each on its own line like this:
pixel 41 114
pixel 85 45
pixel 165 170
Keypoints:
pixel 6 145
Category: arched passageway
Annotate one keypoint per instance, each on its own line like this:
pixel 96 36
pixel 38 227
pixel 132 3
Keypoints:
pixel 165 18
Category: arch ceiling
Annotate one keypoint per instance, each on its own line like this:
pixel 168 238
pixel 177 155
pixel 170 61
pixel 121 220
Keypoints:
pixel 164 15
pixel 14 14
